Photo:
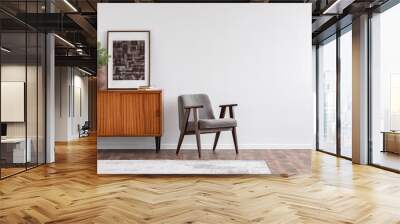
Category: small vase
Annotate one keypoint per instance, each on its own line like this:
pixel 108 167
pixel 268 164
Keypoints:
pixel 101 77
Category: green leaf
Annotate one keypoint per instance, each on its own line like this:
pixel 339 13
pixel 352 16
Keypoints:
pixel 102 56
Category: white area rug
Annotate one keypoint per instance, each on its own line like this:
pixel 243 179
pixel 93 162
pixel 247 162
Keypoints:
pixel 168 167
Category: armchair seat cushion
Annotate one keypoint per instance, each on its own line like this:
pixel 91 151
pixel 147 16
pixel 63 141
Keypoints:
pixel 217 123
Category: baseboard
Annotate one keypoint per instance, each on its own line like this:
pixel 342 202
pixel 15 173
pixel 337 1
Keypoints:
pixel 104 144
pixel 241 146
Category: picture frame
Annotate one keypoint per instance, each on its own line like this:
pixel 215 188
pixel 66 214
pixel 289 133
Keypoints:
pixel 129 64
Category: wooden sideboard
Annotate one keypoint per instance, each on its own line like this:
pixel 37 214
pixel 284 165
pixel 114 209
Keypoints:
pixel 391 141
pixel 130 113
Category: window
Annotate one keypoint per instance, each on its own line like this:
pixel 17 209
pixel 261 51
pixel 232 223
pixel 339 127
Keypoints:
pixel 346 74
pixel 327 96
pixel 385 89
pixel 335 74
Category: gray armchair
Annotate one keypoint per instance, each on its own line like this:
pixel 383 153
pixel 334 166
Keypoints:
pixel 203 119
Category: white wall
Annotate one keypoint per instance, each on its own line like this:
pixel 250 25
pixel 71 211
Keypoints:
pixel 18 73
pixel 62 81
pixel 256 55
pixel 81 114
pixel 68 81
pixel 15 73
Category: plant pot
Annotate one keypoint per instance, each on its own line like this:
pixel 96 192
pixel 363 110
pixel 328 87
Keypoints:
pixel 101 77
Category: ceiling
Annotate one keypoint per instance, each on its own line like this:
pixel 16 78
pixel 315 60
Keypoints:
pixel 75 21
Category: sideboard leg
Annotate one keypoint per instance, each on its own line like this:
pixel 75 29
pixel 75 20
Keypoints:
pixel 158 143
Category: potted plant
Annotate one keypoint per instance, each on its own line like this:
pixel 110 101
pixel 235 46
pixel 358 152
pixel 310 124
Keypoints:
pixel 102 60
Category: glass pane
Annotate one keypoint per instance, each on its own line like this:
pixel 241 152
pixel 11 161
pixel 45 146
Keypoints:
pixel 8 23
pixel 23 89
pixel 31 100
pixel 386 89
pixel 41 98
pixel 13 87
pixel 327 96
pixel 31 87
pixel 346 93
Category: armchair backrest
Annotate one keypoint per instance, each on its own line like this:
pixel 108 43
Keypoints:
pixel 193 100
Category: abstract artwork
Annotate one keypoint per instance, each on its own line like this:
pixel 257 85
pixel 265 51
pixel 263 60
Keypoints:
pixel 129 66
pixel 128 60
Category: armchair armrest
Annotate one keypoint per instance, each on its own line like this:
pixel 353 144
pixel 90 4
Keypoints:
pixel 228 105
pixel 187 113
pixel 223 109
pixel 194 107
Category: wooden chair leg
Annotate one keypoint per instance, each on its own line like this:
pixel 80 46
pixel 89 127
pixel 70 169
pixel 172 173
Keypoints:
pixel 216 140
pixel 235 140
pixel 181 136
pixel 197 131
pixel 198 142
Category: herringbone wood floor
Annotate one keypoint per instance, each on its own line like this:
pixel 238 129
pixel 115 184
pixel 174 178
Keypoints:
pixel 71 192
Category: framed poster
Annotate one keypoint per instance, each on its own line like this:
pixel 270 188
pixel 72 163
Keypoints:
pixel 129 65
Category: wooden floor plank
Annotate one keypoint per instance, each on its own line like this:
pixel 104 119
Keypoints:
pixel 70 191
